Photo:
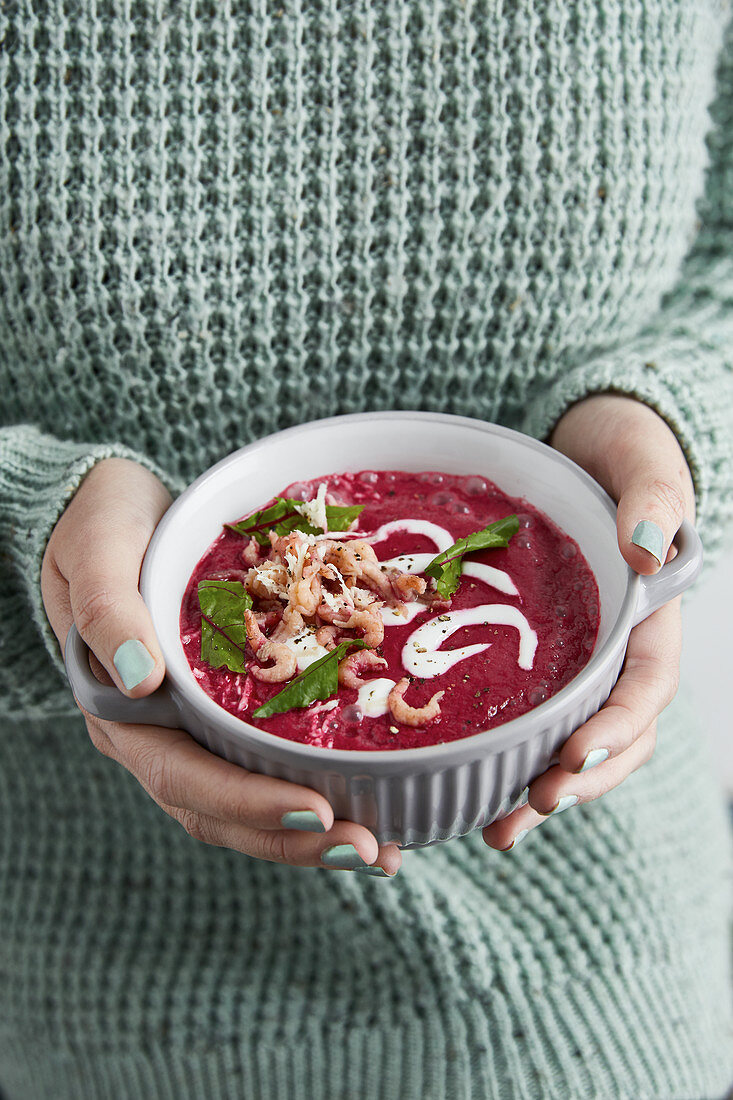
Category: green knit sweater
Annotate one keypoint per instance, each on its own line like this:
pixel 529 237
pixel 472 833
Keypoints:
pixel 221 218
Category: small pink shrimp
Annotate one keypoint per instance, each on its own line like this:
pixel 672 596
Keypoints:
pixel 251 553
pixel 333 614
pixel 313 565
pixel 305 594
pixel 412 716
pixel 322 549
pixel 285 665
pixel 361 549
pixel 372 625
pixel 377 579
pixel 357 559
pixel 255 637
pixel 290 624
pixel 355 663
pixel 326 636
pixel 350 558
pixel 408 587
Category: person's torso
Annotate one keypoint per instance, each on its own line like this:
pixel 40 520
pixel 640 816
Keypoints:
pixel 215 226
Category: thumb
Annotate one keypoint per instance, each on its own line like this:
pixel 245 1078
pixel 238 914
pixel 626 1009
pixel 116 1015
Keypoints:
pixel 103 576
pixel 654 496
pixel 634 454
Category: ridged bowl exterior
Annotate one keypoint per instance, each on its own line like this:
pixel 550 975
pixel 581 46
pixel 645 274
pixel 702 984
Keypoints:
pixel 429 803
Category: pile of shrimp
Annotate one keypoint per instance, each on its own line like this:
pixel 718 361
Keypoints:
pixel 316 584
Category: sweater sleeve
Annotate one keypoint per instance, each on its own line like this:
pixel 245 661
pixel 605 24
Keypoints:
pixel 681 363
pixel 39 475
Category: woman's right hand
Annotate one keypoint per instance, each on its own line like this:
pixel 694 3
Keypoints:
pixel 90 575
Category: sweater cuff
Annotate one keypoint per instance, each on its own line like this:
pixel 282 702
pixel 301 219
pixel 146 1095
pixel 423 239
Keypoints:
pixel 674 379
pixel 39 475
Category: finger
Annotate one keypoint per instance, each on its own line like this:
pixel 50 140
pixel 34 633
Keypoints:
pixel 648 683
pixel 569 791
pixel 113 620
pixel 176 771
pixel 636 457
pixel 294 848
pixel 555 789
pixel 511 830
pixel 101 563
pixel 653 486
pixel 649 515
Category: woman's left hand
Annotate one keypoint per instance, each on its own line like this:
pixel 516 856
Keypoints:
pixel 635 456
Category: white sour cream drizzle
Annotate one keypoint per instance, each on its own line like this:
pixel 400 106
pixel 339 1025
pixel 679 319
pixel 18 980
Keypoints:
pixel 442 538
pixel 372 696
pixel 390 617
pixel 305 647
pixel 421 657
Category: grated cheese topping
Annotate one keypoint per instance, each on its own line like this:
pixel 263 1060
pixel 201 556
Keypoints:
pixel 315 510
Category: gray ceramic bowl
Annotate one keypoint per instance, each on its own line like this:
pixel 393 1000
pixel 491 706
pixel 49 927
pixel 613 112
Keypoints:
pixel 417 796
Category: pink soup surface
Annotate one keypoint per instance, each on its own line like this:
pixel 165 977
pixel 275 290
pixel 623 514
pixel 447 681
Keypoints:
pixel 558 596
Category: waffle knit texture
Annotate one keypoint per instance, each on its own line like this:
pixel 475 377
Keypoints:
pixel 221 219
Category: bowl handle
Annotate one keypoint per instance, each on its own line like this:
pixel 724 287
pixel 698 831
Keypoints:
pixel 674 577
pixel 107 702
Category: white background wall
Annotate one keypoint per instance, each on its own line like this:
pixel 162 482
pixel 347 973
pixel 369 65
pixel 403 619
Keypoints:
pixel 707 658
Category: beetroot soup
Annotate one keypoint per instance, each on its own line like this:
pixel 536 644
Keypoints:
pixel 351 614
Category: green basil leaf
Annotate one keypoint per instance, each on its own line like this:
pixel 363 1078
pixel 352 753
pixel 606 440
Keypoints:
pixel 268 519
pixel 448 578
pixel 341 516
pixel 317 681
pixel 338 516
pixel 223 633
pixel 447 567
pixel 282 518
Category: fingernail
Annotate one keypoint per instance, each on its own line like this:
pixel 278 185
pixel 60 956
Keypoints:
pixel 302 819
pixel 517 840
pixel 344 856
pixel 595 756
pixel 649 537
pixel 133 662
pixel 378 872
pixel 565 803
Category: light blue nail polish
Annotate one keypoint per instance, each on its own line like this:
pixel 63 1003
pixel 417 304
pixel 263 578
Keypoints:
pixel 344 856
pixel 649 537
pixel 378 872
pixel 565 803
pixel 595 756
pixel 302 819
pixel 133 662
pixel 517 840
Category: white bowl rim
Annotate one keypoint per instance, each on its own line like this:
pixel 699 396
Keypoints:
pixel 494 740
